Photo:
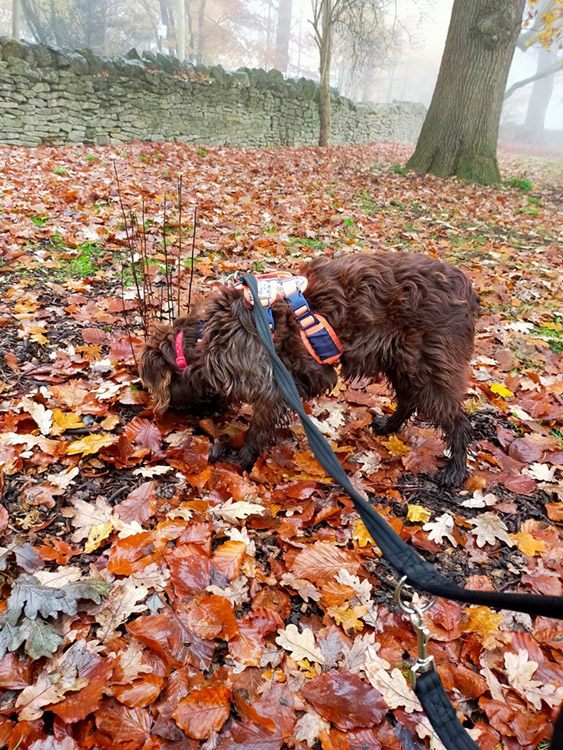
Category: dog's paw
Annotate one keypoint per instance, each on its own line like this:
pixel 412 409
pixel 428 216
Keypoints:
pixel 450 475
pixel 224 452
pixel 381 425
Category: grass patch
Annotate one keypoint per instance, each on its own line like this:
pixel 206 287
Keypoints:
pixel 91 157
pixel 516 182
pixel 530 211
pixel 85 264
pixel 61 170
pixel 39 221
pixel 308 242
pixel 553 336
pixel 201 152
pixel 398 169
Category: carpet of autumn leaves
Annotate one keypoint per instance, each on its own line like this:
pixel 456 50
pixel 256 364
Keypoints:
pixel 150 600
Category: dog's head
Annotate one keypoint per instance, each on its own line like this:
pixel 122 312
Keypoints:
pixel 170 386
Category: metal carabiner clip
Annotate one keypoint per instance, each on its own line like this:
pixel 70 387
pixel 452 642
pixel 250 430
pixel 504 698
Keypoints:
pixel 423 663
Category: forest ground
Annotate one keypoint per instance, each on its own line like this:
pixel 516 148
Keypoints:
pixel 155 597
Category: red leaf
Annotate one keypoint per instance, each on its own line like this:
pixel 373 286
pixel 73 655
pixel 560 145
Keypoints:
pixel 125 553
pixel 76 706
pixel 228 558
pixel 15 673
pixel 203 711
pixel 190 569
pixel 144 434
pixel 139 504
pixel 247 646
pixel 525 450
pixel 211 616
pixel 345 700
pixel 4 518
pixel 58 551
pixel 321 561
pixel 139 693
pixel 124 724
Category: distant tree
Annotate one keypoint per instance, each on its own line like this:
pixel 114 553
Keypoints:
pixel 16 10
pixel 357 18
pixel 460 132
pixel 544 29
pixel 283 34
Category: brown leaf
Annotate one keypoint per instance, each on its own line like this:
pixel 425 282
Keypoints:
pixel 345 700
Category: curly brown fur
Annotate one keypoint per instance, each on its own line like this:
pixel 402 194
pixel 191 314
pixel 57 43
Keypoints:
pixel 408 317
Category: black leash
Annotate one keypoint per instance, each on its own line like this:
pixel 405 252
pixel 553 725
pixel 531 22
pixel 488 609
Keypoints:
pixel 402 557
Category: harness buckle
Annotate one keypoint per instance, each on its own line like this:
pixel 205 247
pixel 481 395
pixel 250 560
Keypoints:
pixel 424 662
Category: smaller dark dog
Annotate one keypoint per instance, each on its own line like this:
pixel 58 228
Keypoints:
pixel 408 317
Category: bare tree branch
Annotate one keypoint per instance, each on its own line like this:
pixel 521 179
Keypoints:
pixel 541 74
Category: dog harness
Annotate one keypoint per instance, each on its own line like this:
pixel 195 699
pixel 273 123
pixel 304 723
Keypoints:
pixel 318 336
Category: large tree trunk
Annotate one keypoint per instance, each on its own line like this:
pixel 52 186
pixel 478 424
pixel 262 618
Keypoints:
pixel 283 33
pixel 324 69
pixel 460 132
pixel 540 97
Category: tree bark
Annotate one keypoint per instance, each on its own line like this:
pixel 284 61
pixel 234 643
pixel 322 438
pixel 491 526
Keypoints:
pixel 325 49
pixel 459 135
pixel 540 97
pixel 283 33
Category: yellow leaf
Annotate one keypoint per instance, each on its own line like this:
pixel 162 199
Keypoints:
pixel 65 421
pixel 90 444
pixel 91 352
pixel 396 447
pixel 485 623
pixel 110 422
pixel 348 617
pixel 418 514
pixel 361 534
pixel 527 544
pixel 308 669
pixel 501 390
pixel 96 536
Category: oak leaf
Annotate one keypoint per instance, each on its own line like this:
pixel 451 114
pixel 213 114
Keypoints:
pixel 301 645
pixel 488 528
pixel 442 527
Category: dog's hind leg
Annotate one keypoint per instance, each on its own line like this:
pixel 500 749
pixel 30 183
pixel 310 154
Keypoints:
pixel 457 431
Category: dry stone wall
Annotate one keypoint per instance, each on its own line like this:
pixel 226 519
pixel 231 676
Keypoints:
pixel 54 97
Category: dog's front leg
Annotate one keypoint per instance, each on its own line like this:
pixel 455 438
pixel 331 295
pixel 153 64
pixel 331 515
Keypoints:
pixel 266 418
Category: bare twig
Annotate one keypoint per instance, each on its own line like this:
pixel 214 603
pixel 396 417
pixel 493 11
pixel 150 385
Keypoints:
pixel 192 260
pixel 131 245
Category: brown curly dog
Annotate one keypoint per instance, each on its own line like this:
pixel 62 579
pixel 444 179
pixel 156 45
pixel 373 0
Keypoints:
pixel 408 317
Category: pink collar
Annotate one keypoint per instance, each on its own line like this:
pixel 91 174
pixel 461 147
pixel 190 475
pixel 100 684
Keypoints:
pixel 180 359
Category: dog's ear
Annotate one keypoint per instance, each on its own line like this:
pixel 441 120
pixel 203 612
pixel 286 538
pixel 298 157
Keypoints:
pixel 156 375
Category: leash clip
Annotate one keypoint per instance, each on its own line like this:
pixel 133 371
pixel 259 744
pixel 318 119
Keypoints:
pixel 424 662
